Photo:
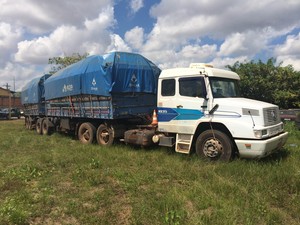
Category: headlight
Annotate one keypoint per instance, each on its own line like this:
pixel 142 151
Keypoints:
pixel 260 133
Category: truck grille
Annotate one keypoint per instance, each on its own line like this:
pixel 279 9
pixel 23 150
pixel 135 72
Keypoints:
pixel 271 116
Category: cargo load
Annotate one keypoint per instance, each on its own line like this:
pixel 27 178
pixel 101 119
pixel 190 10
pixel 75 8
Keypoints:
pixel 33 96
pixel 115 85
pixel 34 91
pixel 116 72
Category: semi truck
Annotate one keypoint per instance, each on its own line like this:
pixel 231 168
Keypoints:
pixel 125 97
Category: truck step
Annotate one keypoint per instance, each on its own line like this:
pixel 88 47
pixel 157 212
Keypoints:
pixel 183 143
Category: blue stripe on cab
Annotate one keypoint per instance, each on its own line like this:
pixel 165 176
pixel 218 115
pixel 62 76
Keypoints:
pixel 168 114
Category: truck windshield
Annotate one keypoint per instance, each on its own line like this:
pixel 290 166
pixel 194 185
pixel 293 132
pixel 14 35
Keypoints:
pixel 224 88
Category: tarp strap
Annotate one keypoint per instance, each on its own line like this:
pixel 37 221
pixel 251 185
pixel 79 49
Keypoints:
pixel 92 110
pixel 71 104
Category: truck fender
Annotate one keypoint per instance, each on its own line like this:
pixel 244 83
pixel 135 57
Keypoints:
pixel 215 126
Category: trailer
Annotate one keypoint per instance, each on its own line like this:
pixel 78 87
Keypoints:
pixel 100 96
pixel 33 100
pixel 125 97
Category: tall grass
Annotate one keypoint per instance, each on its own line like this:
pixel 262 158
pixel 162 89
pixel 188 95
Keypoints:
pixel 56 180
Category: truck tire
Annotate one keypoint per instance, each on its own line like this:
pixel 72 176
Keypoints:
pixel 38 126
pixel 86 133
pixel 105 135
pixel 46 129
pixel 214 145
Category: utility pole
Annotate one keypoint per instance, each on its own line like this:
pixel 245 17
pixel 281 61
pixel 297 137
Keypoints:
pixel 9 100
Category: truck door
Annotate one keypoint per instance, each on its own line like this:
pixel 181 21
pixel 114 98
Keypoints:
pixel 180 104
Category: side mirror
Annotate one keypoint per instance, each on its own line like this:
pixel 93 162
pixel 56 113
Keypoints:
pixel 213 109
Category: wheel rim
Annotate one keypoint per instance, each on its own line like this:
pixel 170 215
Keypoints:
pixel 86 135
pixel 45 127
pixel 104 136
pixel 212 148
pixel 39 126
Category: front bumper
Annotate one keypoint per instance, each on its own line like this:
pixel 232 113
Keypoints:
pixel 261 148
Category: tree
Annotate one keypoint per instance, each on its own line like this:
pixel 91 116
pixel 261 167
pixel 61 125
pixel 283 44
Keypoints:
pixel 269 82
pixel 62 62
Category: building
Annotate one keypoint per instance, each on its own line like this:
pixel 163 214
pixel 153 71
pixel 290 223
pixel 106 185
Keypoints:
pixel 4 99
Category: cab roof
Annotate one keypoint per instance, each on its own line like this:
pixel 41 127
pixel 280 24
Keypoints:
pixel 208 71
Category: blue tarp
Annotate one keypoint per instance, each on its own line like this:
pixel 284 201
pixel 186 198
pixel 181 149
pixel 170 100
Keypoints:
pixel 33 92
pixel 116 72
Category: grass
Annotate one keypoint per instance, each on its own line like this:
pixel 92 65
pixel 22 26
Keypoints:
pixel 56 180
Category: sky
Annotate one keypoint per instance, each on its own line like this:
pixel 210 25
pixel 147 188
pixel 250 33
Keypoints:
pixel 170 33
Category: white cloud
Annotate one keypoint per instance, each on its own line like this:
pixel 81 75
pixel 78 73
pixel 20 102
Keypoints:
pixel 42 16
pixel 9 37
pixel 243 29
pixel 198 53
pixel 183 57
pixel 220 18
pixel 136 5
pixel 233 44
pixel 290 60
pixel 219 62
pixel 186 20
pixel 117 44
pixel 93 37
pixel 290 47
pixel 15 75
pixel 135 37
pixel 247 43
pixel 289 52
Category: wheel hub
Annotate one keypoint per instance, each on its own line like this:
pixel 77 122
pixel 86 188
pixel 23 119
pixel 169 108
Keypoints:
pixel 86 135
pixel 212 148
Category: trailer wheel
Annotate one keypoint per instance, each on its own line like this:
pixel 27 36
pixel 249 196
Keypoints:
pixel 86 133
pixel 46 129
pixel 214 145
pixel 38 126
pixel 105 135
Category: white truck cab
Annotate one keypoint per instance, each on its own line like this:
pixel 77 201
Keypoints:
pixel 201 108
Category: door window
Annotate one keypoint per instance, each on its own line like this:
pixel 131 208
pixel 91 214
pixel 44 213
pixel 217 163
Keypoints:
pixel 192 87
pixel 168 87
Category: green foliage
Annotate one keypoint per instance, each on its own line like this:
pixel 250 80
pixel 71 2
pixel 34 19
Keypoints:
pixel 269 82
pixel 12 213
pixel 56 180
pixel 172 217
pixel 62 62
